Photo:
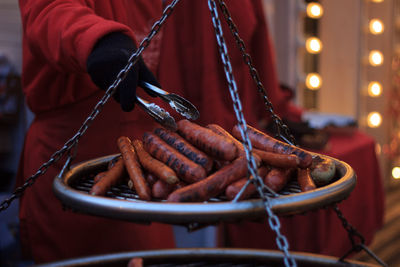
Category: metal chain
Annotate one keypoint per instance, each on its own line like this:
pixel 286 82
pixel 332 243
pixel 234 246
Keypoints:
pixel 272 218
pixel 288 137
pixel 352 232
pixel 110 91
pixel 353 235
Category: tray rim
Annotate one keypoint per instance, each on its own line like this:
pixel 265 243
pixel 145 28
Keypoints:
pixel 206 254
pixel 209 212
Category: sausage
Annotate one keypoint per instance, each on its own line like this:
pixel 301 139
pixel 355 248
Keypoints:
pixel 269 158
pixel 206 140
pixel 277 178
pixel 265 142
pixel 305 180
pixel 135 262
pixel 213 185
pixel 153 165
pixel 221 131
pixel 111 177
pixel 151 179
pixel 99 176
pixel 278 160
pixel 184 147
pixel 161 189
pixel 113 161
pixel 233 189
pixel 183 167
pixel 133 168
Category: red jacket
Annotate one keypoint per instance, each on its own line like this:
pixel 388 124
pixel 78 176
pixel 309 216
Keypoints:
pixel 58 37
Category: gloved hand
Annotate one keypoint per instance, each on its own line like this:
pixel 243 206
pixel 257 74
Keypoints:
pixel 109 56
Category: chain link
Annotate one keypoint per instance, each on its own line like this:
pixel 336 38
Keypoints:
pixel 280 126
pixel 353 234
pixel 272 218
pixel 97 109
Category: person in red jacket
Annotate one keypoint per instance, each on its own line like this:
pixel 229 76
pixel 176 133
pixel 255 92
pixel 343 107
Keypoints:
pixel 72 51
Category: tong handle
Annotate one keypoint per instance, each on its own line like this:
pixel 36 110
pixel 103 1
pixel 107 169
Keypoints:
pixel 152 88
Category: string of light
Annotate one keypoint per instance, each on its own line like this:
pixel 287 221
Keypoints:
pixel 313 45
pixel 375 59
pixel 375 89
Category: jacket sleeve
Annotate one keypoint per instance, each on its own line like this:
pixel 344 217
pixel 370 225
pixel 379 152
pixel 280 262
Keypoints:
pixel 63 32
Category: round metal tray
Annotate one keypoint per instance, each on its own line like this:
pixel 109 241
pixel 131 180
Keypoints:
pixel 123 204
pixel 196 257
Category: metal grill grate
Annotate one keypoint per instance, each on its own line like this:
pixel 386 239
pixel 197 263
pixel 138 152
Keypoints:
pixel 122 191
pixel 120 202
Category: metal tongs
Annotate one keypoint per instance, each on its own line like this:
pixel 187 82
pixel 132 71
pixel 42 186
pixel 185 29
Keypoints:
pixel 178 103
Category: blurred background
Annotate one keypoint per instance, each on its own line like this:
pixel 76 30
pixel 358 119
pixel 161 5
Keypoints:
pixel 341 59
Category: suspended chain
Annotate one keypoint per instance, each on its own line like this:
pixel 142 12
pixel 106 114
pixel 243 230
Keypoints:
pixel 110 91
pixel 288 137
pixel 272 218
pixel 352 232
pixel 353 235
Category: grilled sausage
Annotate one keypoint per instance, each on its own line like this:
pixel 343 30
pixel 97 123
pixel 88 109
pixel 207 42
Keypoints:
pixel 183 167
pixel 206 140
pixel 305 180
pixel 213 185
pixel 277 178
pixel 184 147
pixel 110 178
pixel 153 165
pixel 133 168
pixel 233 189
pixel 265 142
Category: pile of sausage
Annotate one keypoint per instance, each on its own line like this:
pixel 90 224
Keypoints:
pixel 197 163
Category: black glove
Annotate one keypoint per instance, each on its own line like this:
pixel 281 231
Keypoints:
pixel 109 56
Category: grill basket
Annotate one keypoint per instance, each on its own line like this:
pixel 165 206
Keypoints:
pixel 122 203
pixel 206 257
